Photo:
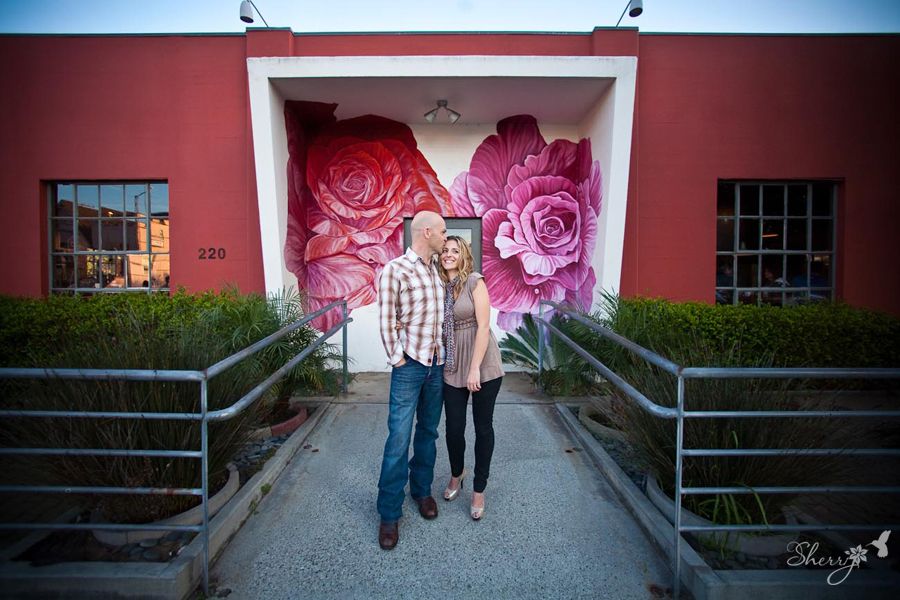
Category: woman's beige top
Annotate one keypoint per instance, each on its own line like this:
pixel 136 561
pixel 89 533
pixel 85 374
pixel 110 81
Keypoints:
pixel 464 337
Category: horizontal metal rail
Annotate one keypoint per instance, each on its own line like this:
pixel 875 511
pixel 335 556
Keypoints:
pixel 787 414
pixel 102 374
pixel 797 489
pixel 103 526
pixel 202 416
pixel 100 452
pixel 680 414
pixel 799 527
pixel 86 414
pixel 89 489
pixel 786 373
pixel 794 452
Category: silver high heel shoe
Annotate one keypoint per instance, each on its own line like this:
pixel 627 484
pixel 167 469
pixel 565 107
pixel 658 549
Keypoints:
pixel 476 513
pixel 452 494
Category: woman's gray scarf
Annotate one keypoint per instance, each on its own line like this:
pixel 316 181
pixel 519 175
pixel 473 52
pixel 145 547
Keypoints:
pixel 449 324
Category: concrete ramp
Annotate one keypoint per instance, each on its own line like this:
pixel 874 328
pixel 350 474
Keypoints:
pixel 552 528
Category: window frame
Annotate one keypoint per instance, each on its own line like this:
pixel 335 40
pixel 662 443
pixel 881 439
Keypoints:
pixel 783 294
pixel 101 256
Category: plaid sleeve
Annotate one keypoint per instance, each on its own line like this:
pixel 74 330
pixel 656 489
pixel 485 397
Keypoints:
pixel 388 296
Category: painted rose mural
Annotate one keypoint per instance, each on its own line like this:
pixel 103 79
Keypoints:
pixel 351 183
pixel 539 204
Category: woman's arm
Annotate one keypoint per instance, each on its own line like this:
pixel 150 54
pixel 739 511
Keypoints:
pixel 483 318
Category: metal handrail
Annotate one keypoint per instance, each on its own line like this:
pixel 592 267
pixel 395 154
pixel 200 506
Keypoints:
pixel 680 414
pixel 203 416
pixel 646 403
pixel 648 355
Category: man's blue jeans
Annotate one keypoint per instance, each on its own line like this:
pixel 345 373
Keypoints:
pixel 416 391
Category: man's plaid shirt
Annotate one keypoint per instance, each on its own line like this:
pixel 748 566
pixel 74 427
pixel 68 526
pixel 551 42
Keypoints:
pixel 411 309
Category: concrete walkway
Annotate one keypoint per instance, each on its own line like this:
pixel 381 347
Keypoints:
pixel 552 528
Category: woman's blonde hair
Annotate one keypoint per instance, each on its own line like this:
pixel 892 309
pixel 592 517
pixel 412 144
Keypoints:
pixel 464 265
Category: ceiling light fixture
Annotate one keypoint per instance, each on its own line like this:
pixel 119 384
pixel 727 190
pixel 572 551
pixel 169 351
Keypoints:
pixel 634 9
pixel 432 114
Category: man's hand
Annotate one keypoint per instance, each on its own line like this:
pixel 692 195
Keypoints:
pixel 400 364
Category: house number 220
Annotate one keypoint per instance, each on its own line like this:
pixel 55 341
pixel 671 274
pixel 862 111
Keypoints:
pixel 211 253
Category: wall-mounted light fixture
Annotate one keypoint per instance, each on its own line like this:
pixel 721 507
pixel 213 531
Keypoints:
pixel 634 9
pixel 247 8
pixel 452 115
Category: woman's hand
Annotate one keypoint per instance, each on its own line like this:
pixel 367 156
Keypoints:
pixel 473 381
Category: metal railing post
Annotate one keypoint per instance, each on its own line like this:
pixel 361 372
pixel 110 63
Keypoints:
pixel 204 416
pixel 679 413
pixel 540 348
pixel 344 313
pixel 679 443
pixel 204 466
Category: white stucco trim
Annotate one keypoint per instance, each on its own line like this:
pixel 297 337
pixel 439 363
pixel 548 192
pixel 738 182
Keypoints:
pixel 270 156
pixel 270 146
pixel 608 125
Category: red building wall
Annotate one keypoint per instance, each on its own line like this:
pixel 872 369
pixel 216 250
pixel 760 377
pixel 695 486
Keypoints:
pixel 708 107
pixel 115 107
pixel 763 107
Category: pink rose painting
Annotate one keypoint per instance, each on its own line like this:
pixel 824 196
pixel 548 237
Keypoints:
pixel 350 184
pixel 539 205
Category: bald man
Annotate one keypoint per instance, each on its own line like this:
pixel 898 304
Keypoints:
pixel 411 309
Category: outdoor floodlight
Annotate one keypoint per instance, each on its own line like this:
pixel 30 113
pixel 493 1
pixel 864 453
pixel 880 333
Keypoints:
pixel 247 8
pixel 637 7
pixel 634 9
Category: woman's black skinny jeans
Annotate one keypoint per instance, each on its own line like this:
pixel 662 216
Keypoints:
pixel 455 401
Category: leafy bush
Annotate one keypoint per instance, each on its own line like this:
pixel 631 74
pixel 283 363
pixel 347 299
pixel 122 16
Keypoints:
pixel 813 335
pixel 144 332
pixel 32 329
pixel 699 336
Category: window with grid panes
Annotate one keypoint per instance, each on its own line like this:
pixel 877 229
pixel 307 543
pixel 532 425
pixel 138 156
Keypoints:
pixel 109 236
pixel 775 242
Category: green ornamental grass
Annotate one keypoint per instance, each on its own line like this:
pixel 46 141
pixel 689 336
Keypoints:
pixel 145 331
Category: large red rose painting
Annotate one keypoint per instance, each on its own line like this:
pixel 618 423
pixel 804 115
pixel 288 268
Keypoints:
pixel 350 184
pixel 539 205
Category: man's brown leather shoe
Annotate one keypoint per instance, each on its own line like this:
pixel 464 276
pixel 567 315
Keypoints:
pixel 427 507
pixel 388 534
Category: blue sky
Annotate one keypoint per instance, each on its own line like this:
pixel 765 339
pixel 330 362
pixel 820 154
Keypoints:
pixel 213 16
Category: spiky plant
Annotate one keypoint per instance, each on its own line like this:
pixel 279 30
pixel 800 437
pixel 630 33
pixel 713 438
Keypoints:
pixel 564 373
pixel 318 373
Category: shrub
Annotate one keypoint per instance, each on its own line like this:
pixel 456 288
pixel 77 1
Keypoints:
pixel 32 329
pixel 654 438
pixel 813 335
pixel 185 331
pixel 699 336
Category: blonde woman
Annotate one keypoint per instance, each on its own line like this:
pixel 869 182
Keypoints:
pixel 472 368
